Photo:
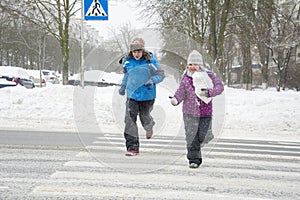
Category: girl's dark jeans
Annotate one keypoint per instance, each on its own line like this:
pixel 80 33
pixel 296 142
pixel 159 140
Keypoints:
pixel 196 129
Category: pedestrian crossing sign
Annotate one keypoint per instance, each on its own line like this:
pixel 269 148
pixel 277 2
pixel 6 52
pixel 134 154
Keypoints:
pixel 96 9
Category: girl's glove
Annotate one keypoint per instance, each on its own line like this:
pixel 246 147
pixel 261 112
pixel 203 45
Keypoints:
pixel 174 101
pixel 122 90
pixel 203 92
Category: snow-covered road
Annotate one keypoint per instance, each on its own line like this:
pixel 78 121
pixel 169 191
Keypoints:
pixel 231 169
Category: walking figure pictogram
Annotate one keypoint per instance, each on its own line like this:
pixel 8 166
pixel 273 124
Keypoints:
pixel 96 9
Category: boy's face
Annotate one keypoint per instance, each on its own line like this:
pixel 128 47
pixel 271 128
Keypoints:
pixel 193 67
pixel 137 54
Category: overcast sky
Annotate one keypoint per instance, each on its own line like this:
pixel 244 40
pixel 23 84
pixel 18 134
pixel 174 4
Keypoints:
pixel 119 13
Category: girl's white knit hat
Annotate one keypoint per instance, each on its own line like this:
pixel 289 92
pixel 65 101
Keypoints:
pixel 195 58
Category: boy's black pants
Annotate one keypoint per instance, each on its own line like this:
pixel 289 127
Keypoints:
pixel 133 109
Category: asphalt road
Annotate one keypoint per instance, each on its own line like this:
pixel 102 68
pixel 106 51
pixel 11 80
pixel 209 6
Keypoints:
pixel 10 137
pixel 45 165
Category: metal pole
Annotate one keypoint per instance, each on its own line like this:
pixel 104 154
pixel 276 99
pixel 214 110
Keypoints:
pixel 82 47
pixel 44 55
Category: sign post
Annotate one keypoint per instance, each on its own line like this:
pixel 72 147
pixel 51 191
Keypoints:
pixel 90 10
pixel 81 49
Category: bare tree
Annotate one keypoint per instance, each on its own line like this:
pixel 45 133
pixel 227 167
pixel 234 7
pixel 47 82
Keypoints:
pixel 219 12
pixel 121 38
pixel 203 21
pixel 52 17
pixel 283 41
pixel 55 18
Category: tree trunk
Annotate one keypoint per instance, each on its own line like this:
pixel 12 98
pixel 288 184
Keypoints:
pixel 265 68
pixel 65 50
pixel 213 32
pixel 247 70
pixel 286 64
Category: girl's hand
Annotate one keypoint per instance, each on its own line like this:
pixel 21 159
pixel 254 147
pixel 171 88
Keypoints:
pixel 203 92
pixel 174 101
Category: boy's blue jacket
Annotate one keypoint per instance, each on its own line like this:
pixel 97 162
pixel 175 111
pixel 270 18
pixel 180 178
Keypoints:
pixel 141 77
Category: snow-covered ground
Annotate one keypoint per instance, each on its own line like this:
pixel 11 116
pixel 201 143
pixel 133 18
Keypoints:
pixel 267 115
pixel 232 169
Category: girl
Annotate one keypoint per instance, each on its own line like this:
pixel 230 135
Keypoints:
pixel 197 104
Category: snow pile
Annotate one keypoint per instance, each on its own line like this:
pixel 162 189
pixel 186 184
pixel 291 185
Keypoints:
pixel 258 114
pixel 262 114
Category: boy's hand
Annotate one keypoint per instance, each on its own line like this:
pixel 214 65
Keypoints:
pixel 122 90
pixel 149 84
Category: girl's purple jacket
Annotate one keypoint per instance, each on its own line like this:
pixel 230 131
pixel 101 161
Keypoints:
pixel 192 104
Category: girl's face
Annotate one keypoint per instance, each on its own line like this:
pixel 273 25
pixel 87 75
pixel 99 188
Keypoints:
pixel 137 54
pixel 193 67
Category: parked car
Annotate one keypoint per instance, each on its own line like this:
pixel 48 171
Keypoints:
pixel 94 78
pixel 15 76
pixel 51 76
pixel 36 77
pixel 6 83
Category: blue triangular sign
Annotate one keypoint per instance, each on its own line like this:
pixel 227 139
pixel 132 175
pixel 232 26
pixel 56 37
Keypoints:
pixel 95 10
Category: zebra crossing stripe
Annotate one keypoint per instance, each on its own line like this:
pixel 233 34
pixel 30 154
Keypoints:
pixel 102 192
pixel 104 171
pixel 257 149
